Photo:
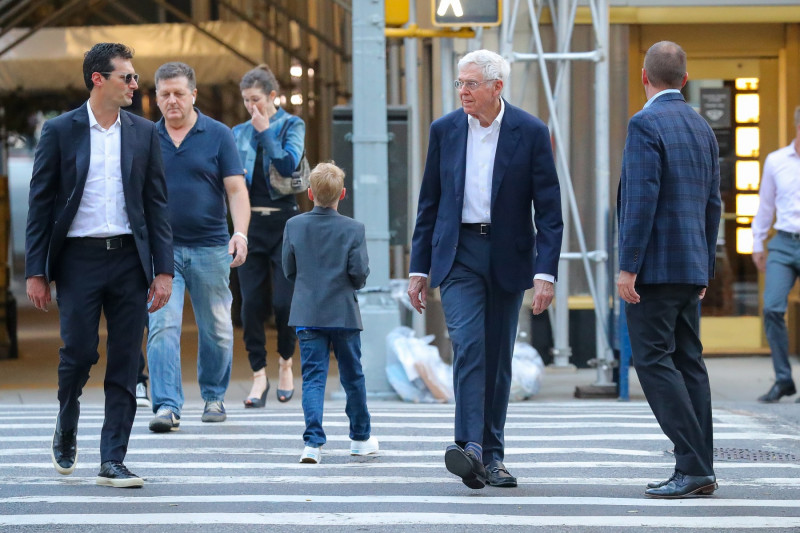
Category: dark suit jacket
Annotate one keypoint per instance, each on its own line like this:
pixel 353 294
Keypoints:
pixel 524 172
pixel 59 175
pixel 325 255
pixel 668 201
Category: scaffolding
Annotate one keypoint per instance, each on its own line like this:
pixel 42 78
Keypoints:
pixel 562 15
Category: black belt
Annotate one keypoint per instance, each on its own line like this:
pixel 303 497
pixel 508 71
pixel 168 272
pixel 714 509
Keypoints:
pixel 105 243
pixel 478 227
pixel 793 236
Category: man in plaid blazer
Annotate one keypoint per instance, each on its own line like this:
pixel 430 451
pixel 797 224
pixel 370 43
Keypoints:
pixel 669 213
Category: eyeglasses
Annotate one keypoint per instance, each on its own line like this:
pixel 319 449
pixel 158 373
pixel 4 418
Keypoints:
pixel 471 85
pixel 127 77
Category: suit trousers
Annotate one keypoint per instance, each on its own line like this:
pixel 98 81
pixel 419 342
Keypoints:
pixel 90 280
pixel 668 356
pixel 482 322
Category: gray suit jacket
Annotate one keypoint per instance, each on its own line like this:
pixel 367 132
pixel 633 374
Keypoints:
pixel 325 255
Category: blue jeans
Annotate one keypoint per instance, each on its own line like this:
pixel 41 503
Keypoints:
pixel 205 272
pixel 315 346
pixel 783 268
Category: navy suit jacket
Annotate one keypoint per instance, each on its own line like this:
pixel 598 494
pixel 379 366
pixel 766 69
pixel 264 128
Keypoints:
pixel 524 172
pixel 60 168
pixel 668 202
pixel 325 255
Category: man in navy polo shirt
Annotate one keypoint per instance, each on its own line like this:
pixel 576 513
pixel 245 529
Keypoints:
pixel 202 165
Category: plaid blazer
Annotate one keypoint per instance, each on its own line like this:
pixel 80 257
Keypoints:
pixel 668 201
pixel 282 144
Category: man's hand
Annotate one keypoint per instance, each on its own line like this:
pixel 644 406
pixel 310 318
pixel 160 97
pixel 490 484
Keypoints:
pixel 760 260
pixel 159 293
pixel 259 121
pixel 418 292
pixel 38 292
pixel 237 249
pixel 543 293
pixel 702 293
pixel 626 287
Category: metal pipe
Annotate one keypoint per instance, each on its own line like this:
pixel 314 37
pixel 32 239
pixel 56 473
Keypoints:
pixel 551 56
pixel 181 15
pixel 562 351
pixel 567 181
pixel 602 193
pixel 414 149
pixel 446 69
pixel 322 38
pixel 42 23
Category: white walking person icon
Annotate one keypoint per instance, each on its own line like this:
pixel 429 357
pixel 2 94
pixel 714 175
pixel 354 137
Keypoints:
pixel 446 4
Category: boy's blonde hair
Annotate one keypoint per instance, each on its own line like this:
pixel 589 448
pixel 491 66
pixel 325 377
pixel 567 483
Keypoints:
pixel 327 182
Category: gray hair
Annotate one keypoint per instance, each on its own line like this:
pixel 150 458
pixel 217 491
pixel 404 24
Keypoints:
pixel 176 69
pixel 492 65
pixel 797 116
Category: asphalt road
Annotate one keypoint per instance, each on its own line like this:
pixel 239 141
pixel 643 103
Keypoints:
pixel 582 466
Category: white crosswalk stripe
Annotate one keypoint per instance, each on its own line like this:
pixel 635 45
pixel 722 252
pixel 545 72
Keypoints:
pixel 581 466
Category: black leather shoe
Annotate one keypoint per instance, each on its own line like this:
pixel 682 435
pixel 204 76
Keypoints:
pixel 116 474
pixel 64 452
pixel 497 475
pixel 657 484
pixel 466 465
pixel 681 486
pixel 778 391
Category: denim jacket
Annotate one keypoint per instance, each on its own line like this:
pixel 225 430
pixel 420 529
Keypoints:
pixel 284 153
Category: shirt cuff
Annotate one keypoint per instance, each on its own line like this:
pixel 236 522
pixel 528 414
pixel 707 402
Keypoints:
pixel 412 274
pixel 546 277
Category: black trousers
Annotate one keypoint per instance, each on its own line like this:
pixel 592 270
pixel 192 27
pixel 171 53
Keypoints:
pixel 664 329
pixel 90 280
pixel 263 266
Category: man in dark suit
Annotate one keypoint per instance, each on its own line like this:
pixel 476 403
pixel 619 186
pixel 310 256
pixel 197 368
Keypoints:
pixel 475 238
pixel 98 227
pixel 669 212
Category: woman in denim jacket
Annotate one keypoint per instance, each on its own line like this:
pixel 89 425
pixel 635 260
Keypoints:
pixel 271 137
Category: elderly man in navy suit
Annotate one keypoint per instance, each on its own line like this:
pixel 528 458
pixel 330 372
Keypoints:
pixel 98 226
pixel 487 164
pixel 669 213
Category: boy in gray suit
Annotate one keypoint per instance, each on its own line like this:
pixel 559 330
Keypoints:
pixel 325 255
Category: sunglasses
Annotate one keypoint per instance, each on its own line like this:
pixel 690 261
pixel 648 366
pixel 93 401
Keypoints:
pixel 127 77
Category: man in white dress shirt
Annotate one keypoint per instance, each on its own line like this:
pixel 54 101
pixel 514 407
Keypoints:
pixel 780 200
pixel 488 164
pixel 98 227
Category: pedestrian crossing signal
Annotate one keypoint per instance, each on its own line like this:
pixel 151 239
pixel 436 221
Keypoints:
pixel 464 13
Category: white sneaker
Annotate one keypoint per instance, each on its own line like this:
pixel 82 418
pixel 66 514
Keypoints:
pixel 311 455
pixel 364 447
pixel 141 395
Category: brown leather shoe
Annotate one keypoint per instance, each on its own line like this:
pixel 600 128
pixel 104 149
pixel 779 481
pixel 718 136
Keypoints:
pixel 497 475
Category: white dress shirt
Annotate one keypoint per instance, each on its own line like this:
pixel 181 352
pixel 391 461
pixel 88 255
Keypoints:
pixel 102 211
pixel 779 194
pixel 481 148
pixel 653 99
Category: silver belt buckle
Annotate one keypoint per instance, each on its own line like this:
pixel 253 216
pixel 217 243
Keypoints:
pixel 484 229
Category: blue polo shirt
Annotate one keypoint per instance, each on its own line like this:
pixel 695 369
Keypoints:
pixel 195 190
